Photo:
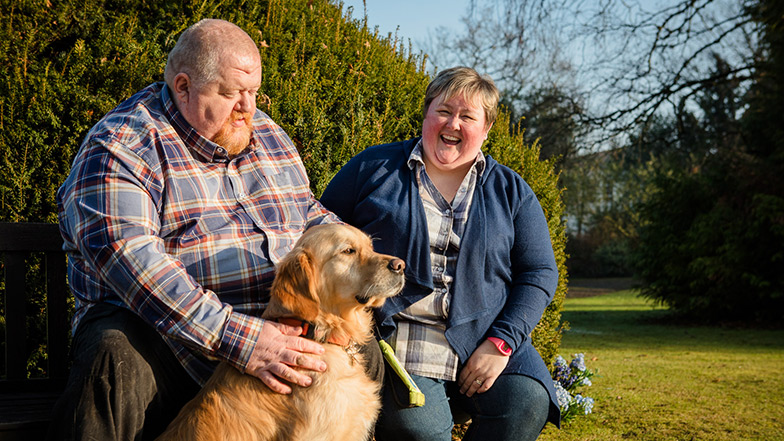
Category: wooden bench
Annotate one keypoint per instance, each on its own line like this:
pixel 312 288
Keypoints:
pixel 26 403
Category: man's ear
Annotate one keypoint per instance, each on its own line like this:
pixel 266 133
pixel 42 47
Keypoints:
pixel 182 87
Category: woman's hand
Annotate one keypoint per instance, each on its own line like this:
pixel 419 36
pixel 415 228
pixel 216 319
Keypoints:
pixel 482 369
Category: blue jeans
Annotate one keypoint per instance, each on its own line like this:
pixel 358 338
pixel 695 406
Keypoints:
pixel 514 409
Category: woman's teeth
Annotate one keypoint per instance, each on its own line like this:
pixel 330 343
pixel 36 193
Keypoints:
pixel 450 139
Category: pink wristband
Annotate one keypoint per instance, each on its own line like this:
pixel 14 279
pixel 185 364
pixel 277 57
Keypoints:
pixel 501 345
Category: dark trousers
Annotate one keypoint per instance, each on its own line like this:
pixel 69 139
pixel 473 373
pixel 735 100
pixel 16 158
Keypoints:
pixel 125 382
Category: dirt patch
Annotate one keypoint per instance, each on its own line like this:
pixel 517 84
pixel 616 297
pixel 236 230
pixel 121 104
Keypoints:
pixel 594 287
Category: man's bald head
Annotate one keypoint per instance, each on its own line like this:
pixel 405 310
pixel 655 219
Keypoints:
pixel 204 47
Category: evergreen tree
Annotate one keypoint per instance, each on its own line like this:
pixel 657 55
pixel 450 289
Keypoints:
pixel 714 242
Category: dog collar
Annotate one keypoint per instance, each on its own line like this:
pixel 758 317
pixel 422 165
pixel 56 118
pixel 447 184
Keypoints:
pixel 308 328
pixel 309 332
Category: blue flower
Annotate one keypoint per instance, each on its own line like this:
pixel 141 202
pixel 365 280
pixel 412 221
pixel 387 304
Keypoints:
pixel 588 405
pixel 563 396
pixel 568 378
pixel 585 402
pixel 578 362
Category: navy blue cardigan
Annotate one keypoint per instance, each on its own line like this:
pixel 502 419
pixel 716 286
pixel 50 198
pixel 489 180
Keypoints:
pixel 506 270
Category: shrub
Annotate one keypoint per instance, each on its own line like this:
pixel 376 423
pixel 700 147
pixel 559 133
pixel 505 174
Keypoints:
pixel 712 249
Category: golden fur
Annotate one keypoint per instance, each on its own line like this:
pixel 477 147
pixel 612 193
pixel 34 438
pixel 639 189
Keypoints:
pixel 330 279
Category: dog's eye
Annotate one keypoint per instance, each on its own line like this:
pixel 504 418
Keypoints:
pixel 349 250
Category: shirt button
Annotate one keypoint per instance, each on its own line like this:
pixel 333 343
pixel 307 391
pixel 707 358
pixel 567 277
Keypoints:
pixel 443 290
pixel 242 195
pixel 447 212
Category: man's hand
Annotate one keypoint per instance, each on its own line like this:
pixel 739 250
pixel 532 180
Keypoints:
pixel 279 349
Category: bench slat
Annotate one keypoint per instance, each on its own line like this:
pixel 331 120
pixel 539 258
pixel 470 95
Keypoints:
pixel 25 410
pixel 30 236
pixel 58 328
pixel 16 329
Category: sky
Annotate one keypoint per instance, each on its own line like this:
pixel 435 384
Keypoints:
pixel 415 17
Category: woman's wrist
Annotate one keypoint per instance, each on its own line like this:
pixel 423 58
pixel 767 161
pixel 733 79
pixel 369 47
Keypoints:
pixel 501 345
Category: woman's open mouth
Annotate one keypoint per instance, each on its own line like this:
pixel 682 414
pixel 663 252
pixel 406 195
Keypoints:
pixel 450 140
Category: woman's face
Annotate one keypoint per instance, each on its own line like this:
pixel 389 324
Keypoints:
pixel 452 134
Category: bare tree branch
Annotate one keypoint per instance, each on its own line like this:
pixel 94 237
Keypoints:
pixel 625 61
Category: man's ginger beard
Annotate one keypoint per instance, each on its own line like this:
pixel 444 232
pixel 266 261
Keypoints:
pixel 235 139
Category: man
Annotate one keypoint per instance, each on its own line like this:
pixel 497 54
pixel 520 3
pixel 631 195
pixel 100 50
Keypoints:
pixel 179 204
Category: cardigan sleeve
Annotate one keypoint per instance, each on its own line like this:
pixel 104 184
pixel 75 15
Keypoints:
pixel 534 273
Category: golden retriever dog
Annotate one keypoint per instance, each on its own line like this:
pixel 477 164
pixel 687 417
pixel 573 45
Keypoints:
pixel 328 281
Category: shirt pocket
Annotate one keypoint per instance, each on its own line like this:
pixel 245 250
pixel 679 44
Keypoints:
pixel 278 202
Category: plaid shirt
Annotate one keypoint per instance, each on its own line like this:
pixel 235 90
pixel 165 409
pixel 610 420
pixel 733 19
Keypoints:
pixel 420 342
pixel 158 219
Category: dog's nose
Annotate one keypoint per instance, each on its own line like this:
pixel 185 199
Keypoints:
pixel 397 265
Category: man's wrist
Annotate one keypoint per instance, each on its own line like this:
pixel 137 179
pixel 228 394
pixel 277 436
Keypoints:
pixel 239 338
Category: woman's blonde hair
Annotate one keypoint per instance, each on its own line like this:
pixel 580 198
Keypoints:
pixel 466 82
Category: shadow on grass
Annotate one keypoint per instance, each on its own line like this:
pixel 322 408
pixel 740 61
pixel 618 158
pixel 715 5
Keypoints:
pixel 663 380
pixel 623 319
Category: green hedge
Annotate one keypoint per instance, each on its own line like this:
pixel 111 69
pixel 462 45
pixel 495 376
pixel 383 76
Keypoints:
pixel 334 85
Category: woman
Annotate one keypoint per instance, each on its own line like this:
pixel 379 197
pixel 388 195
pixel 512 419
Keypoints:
pixel 480 270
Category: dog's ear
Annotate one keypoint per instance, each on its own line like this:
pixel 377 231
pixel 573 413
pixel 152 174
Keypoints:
pixel 296 285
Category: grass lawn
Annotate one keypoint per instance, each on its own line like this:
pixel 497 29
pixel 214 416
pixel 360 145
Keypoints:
pixel 662 381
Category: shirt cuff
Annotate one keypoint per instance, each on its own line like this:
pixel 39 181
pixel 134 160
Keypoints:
pixel 501 345
pixel 239 339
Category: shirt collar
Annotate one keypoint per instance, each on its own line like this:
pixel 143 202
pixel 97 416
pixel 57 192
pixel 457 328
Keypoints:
pixel 200 145
pixel 416 159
